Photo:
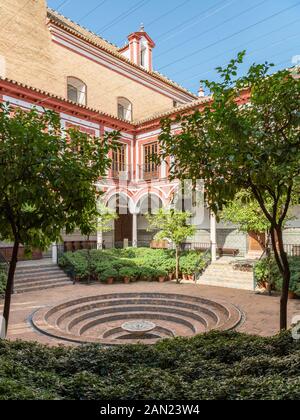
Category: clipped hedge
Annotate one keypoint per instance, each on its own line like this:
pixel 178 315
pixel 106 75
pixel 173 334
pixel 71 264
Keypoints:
pixel 134 263
pixel 214 366
pixel 267 271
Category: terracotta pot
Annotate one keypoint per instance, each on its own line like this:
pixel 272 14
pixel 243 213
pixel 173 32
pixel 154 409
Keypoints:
pixel 171 276
pixel 161 279
pixel 191 277
pixel 110 280
pixel 292 295
pixel 185 277
pixel 126 280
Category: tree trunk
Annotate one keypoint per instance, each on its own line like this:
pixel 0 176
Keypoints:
pixel 10 284
pixel 286 277
pixel 177 264
pixel 284 268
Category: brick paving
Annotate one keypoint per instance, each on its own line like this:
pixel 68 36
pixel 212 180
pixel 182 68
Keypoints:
pixel 261 311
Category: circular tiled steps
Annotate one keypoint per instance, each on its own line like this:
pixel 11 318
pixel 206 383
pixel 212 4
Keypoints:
pixel 99 318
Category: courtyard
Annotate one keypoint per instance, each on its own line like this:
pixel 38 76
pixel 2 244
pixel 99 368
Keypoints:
pixel 260 312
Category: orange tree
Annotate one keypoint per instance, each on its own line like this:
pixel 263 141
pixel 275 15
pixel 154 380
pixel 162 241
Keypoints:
pixel 48 181
pixel 253 146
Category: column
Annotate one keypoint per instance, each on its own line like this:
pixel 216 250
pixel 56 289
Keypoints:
pixel 54 253
pixel 213 236
pixel 99 238
pixel 134 230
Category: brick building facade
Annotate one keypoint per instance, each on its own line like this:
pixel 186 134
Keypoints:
pixel 48 61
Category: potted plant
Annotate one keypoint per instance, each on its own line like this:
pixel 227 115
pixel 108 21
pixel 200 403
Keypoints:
pixel 161 275
pixel 109 275
pixel 126 273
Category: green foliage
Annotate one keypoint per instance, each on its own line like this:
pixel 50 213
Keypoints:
pixel 172 224
pixel 267 270
pixel 50 176
pixel 246 213
pixel 246 138
pixel 219 366
pixel 136 263
pixel 3 279
pixel 190 262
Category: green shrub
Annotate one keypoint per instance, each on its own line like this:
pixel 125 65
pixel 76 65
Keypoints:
pixel 267 271
pixel 138 263
pixel 215 366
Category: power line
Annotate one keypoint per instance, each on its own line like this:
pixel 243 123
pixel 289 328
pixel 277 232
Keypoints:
pixel 182 24
pixel 213 28
pixel 248 54
pixel 92 11
pixel 123 15
pixel 64 3
pixel 229 36
pixel 168 13
pixel 237 47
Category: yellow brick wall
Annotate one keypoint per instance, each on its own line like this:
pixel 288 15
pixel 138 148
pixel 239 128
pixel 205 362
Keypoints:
pixel 29 56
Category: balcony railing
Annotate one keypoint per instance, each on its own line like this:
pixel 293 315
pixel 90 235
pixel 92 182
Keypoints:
pixel 122 172
pixel 149 171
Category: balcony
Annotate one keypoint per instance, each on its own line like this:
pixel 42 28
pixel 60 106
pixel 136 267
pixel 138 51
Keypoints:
pixel 149 172
pixel 121 172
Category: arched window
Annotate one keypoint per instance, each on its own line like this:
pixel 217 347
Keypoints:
pixel 124 109
pixel 76 91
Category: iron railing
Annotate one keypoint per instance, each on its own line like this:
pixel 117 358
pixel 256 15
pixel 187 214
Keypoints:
pixel 149 171
pixel 195 246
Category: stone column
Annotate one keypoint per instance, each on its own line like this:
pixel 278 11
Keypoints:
pixel 54 253
pixel 134 230
pixel 213 236
pixel 99 238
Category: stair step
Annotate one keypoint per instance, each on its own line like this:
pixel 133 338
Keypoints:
pixel 21 272
pixel 36 288
pixel 41 278
pixel 45 281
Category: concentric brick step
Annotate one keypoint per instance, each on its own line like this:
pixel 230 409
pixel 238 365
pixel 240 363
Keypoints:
pixel 100 318
pixel 30 278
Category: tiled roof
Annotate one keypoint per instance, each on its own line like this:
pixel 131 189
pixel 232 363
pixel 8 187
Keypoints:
pixel 134 124
pixel 105 45
pixel 61 99
pixel 177 110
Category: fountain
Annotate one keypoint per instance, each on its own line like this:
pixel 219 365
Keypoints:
pixel 138 328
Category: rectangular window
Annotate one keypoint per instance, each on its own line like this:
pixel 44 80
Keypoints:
pixel 143 57
pixel 150 167
pixel 72 93
pixel 121 112
pixel 119 160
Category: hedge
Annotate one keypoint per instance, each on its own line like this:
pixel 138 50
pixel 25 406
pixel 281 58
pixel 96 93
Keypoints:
pixel 134 263
pixel 267 271
pixel 214 366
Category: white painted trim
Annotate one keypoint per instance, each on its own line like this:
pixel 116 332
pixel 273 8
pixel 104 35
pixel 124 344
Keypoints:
pixel 22 104
pixel 80 121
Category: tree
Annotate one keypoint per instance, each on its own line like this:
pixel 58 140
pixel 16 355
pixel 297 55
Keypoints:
pixel 245 212
pixel 246 138
pixel 174 226
pixel 48 181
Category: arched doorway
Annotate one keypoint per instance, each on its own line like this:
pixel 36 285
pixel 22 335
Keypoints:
pixel 123 225
pixel 148 203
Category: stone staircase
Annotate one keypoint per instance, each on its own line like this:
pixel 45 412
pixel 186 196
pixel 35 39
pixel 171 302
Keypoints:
pixel 222 273
pixel 39 275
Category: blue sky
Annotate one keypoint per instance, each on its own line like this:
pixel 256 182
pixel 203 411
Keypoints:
pixel 195 36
